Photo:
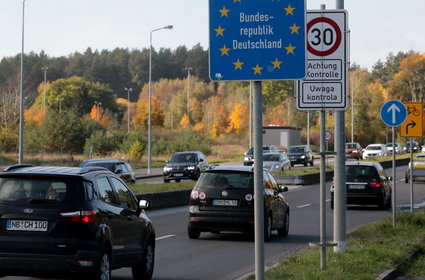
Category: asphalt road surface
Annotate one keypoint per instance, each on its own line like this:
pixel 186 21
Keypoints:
pixel 231 255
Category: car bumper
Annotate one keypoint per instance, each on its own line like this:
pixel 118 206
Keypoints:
pixel 193 175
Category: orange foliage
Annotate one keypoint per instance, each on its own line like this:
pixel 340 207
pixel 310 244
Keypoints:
pixel 34 114
pixel 184 121
pixel 219 117
pixel 98 114
pixel 238 119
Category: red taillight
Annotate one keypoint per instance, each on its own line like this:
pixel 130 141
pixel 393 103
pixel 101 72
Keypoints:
pixel 195 194
pixel 375 184
pixel 84 217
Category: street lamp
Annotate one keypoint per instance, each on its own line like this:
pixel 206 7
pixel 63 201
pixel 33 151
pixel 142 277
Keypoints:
pixel 44 68
pixel 150 98
pixel 21 94
pixel 128 108
pixel 188 91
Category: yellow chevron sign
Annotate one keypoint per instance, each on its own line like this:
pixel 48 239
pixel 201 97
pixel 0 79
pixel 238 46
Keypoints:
pixel 413 125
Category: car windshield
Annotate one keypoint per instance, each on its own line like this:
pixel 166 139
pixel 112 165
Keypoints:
pixel 183 158
pixel 271 157
pixel 374 148
pixel 359 173
pixel 239 180
pixel 350 146
pixel 296 150
pixel 25 189
pixel 108 165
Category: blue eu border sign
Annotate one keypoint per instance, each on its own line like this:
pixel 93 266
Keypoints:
pixel 257 40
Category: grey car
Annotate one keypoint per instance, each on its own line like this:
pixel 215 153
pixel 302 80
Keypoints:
pixel 276 162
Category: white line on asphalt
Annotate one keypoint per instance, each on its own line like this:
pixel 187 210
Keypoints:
pixel 327 200
pixel 304 205
pixel 165 236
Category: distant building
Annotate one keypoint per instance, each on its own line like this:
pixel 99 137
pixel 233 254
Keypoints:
pixel 281 136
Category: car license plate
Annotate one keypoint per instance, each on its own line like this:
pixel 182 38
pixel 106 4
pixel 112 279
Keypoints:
pixel 26 225
pixel 224 202
pixel 178 174
pixel 356 187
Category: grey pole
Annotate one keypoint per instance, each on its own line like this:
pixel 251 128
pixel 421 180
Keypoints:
pixel 393 195
pixel 128 108
pixel 258 182
pixel 21 94
pixel 411 177
pixel 340 192
pixel 150 99
pixel 44 68
pixel 308 128
pixel 322 190
pixel 352 112
pixel 188 91
pixel 250 114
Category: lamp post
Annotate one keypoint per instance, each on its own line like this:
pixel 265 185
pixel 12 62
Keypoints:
pixel 44 68
pixel 188 91
pixel 128 108
pixel 150 98
pixel 21 94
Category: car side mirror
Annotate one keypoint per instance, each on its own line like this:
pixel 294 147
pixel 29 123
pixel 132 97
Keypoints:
pixel 144 204
pixel 283 188
pixel 201 160
pixel 389 178
pixel 118 171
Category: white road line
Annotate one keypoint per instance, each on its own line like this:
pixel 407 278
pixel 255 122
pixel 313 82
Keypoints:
pixel 165 236
pixel 327 200
pixel 304 205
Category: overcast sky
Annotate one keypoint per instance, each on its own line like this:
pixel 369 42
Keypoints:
pixel 61 27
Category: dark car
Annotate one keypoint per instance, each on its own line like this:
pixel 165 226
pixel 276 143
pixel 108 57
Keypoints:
pixel 415 147
pixel 223 200
pixel 185 165
pixel 366 184
pixel 55 220
pixel 119 167
pixel 300 154
pixel 248 159
pixel 353 150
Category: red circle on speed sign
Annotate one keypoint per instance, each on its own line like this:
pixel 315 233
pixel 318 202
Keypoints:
pixel 336 43
pixel 328 135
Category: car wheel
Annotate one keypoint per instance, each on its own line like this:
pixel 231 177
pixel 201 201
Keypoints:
pixel 382 203
pixel 102 271
pixel 292 165
pixel 267 228
pixel 193 233
pixel 166 180
pixel 285 229
pixel 312 162
pixel 332 203
pixel 406 179
pixel 306 163
pixel 144 269
pixel 177 180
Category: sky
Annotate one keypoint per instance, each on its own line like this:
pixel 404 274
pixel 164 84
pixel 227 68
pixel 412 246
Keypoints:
pixel 62 27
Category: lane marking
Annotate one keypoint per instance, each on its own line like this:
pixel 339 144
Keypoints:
pixel 165 236
pixel 304 205
pixel 327 200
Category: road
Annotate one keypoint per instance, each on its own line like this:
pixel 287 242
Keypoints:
pixel 231 255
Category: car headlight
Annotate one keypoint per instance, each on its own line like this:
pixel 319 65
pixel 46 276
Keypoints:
pixel 303 157
pixel 167 168
pixel 191 168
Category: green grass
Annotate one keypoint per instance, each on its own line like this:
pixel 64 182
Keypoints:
pixel 164 187
pixel 371 250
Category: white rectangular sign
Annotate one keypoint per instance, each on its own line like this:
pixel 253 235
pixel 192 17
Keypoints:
pixel 325 86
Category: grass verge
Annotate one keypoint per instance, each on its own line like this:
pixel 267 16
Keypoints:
pixel 372 249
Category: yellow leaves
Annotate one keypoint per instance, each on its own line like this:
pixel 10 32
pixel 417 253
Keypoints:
pixel 238 118
pixel 141 115
pixel 98 114
pixel 184 123
pixel 34 114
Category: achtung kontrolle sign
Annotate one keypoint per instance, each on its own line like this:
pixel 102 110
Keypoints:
pixel 257 40
pixel 325 85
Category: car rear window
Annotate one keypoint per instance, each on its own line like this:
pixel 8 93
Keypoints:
pixel 108 165
pixel 239 180
pixel 271 157
pixel 296 150
pixel 359 173
pixel 40 189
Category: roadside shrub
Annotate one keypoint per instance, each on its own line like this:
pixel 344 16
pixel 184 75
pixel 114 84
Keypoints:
pixel 136 151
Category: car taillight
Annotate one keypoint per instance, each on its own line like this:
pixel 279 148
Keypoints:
pixel 375 184
pixel 84 216
pixel 195 194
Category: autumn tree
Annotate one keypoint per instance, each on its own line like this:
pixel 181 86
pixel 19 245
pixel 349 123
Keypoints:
pixel 238 119
pixel 141 116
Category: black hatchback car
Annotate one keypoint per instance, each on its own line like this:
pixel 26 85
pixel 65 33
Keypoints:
pixel 366 184
pixel 223 200
pixel 185 165
pixel 300 154
pixel 69 219
pixel 122 168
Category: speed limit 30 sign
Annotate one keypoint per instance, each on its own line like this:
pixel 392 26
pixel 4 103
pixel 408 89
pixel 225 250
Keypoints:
pixel 325 86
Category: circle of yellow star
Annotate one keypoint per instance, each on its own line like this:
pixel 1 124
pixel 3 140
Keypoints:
pixel 224 12
pixel 234 1
pixel 224 50
pixel 289 10
pixel 257 69
pixel 290 49
pixel 294 28
pixel 276 63
pixel 238 64
pixel 220 31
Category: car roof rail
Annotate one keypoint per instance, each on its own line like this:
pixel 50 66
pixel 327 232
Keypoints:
pixel 16 166
pixel 212 166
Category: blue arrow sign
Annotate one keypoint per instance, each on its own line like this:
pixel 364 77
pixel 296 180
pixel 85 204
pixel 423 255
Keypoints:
pixel 393 113
pixel 257 40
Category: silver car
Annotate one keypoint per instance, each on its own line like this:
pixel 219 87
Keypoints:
pixel 276 161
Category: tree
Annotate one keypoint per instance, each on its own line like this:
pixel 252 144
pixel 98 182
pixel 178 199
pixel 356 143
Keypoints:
pixel 141 116
pixel 238 119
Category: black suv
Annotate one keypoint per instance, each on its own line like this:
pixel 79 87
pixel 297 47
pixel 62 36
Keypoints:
pixel 366 184
pixel 122 168
pixel 300 154
pixel 223 200
pixel 185 165
pixel 69 219
pixel 248 159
